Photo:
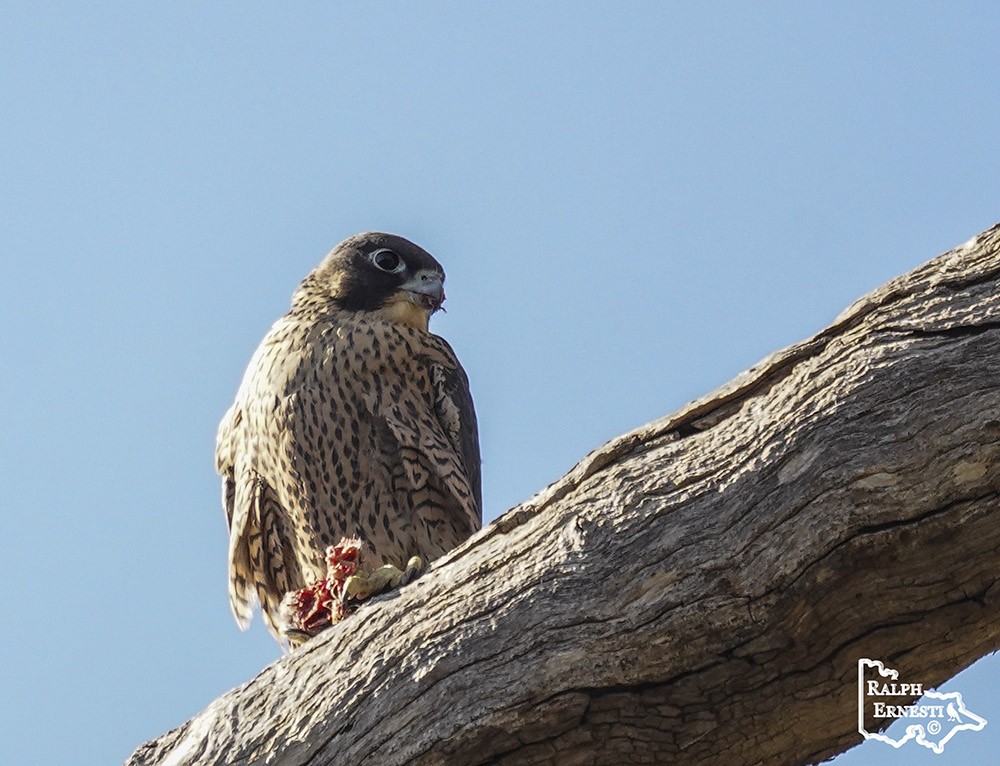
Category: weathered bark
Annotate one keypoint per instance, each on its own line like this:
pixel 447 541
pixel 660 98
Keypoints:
pixel 696 591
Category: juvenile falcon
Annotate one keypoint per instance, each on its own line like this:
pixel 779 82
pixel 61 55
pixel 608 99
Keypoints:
pixel 352 419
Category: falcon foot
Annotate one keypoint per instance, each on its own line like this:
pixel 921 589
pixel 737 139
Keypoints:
pixel 325 602
pixel 362 586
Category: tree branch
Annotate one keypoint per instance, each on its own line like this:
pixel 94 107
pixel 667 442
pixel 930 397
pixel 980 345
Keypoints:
pixel 698 590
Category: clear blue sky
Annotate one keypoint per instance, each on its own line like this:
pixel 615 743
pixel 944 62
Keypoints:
pixel 634 202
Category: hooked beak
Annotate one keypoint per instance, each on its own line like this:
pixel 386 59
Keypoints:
pixel 425 288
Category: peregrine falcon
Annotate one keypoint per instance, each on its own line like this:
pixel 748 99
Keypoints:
pixel 352 420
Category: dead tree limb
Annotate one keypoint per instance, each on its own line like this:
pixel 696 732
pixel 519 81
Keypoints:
pixel 698 590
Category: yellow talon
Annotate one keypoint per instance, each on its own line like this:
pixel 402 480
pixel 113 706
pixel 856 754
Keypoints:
pixel 360 586
pixel 413 569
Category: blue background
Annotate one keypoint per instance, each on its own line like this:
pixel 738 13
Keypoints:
pixel 634 202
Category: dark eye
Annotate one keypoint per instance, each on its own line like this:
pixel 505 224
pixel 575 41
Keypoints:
pixel 386 260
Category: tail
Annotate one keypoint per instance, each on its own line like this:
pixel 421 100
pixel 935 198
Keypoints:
pixel 262 565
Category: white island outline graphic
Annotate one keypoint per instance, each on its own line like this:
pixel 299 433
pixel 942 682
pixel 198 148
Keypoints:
pixel 917 732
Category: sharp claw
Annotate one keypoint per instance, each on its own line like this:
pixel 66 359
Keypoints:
pixel 414 568
pixel 296 637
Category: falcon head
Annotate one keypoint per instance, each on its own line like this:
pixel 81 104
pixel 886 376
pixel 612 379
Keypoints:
pixel 375 272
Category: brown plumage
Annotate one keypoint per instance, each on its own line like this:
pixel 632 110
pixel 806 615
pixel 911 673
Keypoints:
pixel 352 419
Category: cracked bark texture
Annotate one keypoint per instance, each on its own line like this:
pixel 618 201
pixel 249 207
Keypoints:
pixel 698 590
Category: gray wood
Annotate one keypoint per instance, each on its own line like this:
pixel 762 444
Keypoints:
pixel 698 590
